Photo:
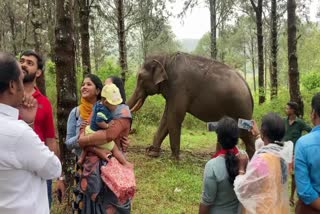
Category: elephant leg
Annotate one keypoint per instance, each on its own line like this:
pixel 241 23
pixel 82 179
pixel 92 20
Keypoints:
pixel 249 141
pixel 175 119
pixel 162 132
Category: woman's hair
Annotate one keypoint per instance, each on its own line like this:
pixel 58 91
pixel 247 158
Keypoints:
pixel 119 83
pixel 273 127
pixel 97 82
pixel 228 135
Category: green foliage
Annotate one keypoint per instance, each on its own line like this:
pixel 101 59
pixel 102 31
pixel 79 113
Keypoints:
pixel 203 46
pixel 311 80
pixel 109 67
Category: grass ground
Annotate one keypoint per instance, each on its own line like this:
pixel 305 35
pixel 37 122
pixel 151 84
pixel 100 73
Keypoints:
pixel 166 186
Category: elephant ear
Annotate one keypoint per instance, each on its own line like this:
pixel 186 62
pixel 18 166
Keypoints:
pixel 159 73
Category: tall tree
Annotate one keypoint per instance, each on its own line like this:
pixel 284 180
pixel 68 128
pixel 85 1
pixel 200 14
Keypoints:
pixel 294 87
pixel 253 64
pixel 258 12
pixel 84 14
pixel 121 38
pixel 65 77
pixel 220 11
pixel 12 21
pixel 36 22
pixel 274 50
pixel 213 24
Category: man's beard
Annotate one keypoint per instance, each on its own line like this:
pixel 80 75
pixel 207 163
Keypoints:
pixel 29 77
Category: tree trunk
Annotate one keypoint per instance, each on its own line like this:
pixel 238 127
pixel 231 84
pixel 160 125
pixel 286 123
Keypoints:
pixel 258 11
pixel 25 35
pixel 95 45
pixel 84 12
pixel 274 50
pixel 66 79
pixel 245 61
pixel 253 65
pixel 76 22
pixel 265 65
pixel 12 21
pixel 50 25
pixel 293 71
pixel 37 27
pixel 122 39
pixel 213 22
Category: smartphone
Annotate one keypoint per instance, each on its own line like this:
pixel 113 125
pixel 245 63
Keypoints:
pixel 212 126
pixel 245 124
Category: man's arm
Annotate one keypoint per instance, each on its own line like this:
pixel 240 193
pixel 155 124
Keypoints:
pixel 53 146
pixel 305 190
pixel 34 156
pixel 306 127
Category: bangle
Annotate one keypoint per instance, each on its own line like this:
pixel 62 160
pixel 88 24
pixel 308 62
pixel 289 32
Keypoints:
pixel 241 171
pixel 30 124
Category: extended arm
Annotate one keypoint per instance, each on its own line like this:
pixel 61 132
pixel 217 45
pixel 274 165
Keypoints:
pixel 36 157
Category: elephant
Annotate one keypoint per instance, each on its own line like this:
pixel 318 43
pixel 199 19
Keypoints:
pixel 205 88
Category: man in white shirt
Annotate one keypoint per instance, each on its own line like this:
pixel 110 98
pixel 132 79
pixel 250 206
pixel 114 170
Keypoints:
pixel 25 162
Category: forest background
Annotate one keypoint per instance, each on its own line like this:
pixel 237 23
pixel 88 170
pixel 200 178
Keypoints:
pixel 273 44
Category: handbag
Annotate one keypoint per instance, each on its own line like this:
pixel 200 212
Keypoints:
pixel 302 208
pixel 120 180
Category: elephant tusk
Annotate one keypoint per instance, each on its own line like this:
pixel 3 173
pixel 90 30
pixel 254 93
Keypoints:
pixel 137 106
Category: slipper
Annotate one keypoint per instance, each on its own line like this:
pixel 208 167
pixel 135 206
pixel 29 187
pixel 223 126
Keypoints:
pixel 291 202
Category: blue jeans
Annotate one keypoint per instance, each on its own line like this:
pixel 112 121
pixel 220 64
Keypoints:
pixel 49 186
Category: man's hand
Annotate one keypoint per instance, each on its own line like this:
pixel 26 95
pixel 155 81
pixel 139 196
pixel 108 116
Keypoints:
pixel 28 109
pixel 60 187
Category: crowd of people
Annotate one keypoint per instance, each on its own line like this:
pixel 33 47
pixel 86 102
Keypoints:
pixel 234 184
pixel 99 126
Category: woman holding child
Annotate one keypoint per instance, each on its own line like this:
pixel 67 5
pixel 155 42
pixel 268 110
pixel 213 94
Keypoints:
pixel 97 197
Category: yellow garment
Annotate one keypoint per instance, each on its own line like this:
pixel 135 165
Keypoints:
pixel 85 109
pixel 107 145
pixel 261 190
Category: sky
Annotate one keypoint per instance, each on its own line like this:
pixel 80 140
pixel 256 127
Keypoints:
pixel 197 22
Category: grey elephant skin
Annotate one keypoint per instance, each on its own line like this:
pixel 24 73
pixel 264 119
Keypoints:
pixel 205 88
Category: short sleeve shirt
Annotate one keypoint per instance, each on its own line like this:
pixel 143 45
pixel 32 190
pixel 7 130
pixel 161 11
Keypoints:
pixel 43 123
pixel 100 113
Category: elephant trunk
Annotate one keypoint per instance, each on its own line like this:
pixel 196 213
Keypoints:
pixel 135 102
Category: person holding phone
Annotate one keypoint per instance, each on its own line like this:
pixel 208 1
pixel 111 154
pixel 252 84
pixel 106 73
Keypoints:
pixel 261 186
pixel 218 195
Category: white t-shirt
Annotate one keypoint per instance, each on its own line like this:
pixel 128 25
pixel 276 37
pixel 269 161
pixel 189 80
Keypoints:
pixel 25 165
